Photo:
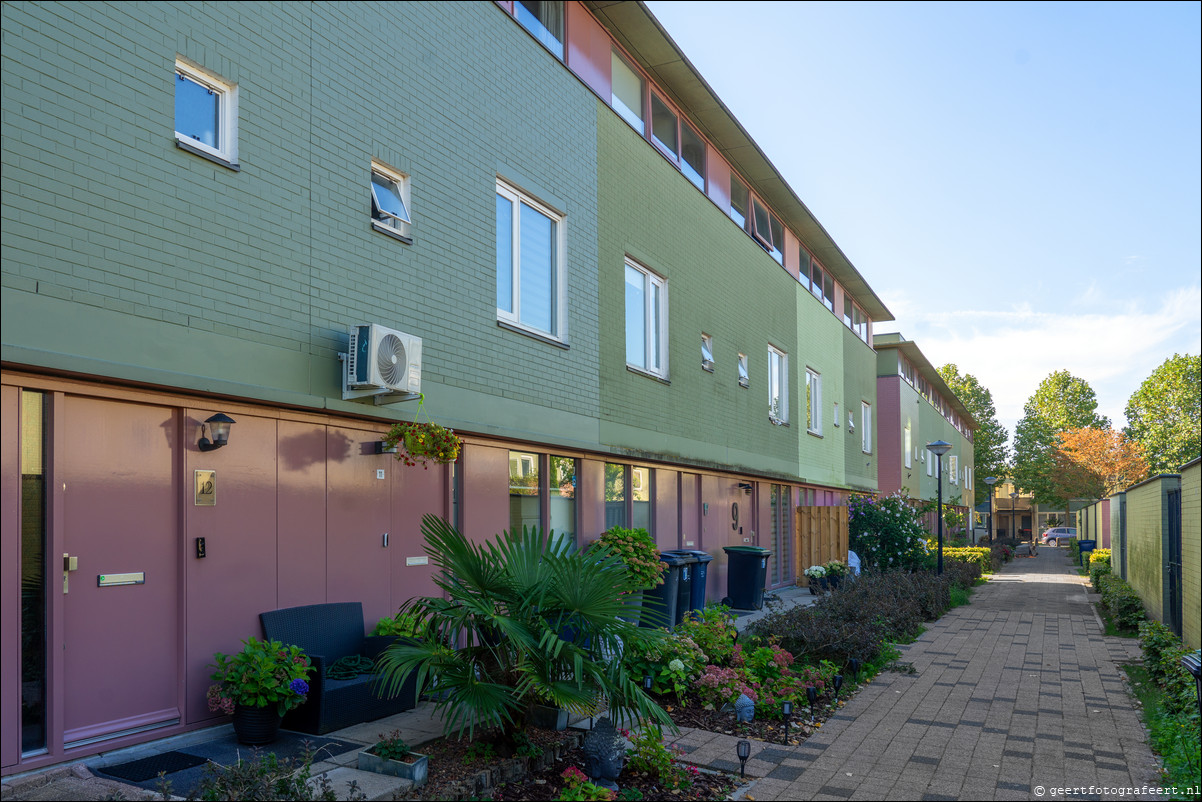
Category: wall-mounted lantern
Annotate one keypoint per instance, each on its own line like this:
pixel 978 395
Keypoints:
pixel 215 432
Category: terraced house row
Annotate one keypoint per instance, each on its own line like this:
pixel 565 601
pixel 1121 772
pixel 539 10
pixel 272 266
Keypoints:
pixel 299 217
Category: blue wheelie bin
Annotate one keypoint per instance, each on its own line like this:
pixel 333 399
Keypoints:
pixel 660 603
pixel 700 574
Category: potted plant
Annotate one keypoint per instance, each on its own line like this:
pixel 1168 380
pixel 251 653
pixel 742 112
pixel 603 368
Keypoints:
pixel 258 685
pixel 421 441
pixel 391 755
pixel 817 576
pixel 835 571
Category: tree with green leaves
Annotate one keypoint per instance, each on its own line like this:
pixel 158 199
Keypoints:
pixel 989 452
pixel 1165 414
pixel 1061 402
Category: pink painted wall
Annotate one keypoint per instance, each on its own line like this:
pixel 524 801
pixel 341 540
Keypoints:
pixel 667 509
pixel 588 50
pixel 486 484
pixel 237 579
pixel 358 514
pixel 890 436
pixel 1105 524
pixel 300 513
pixel 10 574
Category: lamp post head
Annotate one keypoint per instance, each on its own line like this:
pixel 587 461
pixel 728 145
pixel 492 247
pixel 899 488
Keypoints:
pixel 991 480
pixel 939 447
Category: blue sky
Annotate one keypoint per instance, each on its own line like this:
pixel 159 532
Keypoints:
pixel 1018 182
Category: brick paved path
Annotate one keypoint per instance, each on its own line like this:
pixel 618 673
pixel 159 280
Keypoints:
pixel 1015 693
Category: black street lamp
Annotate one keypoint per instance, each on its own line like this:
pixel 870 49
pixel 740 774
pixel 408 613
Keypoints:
pixel 939 448
pixel 991 481
pixel 1013 523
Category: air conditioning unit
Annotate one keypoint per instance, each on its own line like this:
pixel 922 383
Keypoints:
pixel 382 365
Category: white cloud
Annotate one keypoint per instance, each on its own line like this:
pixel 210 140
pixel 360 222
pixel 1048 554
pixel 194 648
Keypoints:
pixel 1111 345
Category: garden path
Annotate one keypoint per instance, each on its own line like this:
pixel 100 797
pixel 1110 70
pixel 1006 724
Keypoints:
pixel 1017 695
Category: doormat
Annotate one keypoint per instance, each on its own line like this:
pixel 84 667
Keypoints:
pixel 184 780
pixel 149 768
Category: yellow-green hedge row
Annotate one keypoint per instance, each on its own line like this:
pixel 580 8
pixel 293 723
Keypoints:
pixel 981 555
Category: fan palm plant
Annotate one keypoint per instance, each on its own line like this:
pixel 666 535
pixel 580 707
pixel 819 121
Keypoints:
pixel 540 623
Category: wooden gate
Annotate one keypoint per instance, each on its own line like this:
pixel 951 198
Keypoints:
pixel 821 536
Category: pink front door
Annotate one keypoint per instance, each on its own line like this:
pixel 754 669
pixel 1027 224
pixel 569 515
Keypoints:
pixel 120 492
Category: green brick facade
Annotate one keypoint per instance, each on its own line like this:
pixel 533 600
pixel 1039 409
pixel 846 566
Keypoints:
pixel 1147 549
pixel 243 282
pixel 1191 553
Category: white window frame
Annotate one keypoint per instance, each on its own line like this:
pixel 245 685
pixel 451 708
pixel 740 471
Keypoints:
pixel 744 376
pixel 660 335
pixel 778 377
pixel 866 427
pixel 227 115
pixel 400 226
pixel 908 445
pixel 813 401
pixel 636 118
pixel 953 464
pixel 707 352
pixel 930 466
pixel 517 199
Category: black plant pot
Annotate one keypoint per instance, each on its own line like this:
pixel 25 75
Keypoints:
pixel 256 726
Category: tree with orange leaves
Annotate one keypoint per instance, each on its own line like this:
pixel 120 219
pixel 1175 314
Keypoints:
pixel 1095 463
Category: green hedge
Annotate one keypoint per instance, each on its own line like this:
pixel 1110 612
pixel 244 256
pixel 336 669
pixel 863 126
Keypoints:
pixel 980 555
pixel 1099 556
pixel 1124 605
pixel 1096 572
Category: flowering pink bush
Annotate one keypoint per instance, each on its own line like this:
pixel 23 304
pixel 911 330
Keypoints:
pixel 718 686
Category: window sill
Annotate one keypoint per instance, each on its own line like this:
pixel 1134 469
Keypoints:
pixel 204 154
pixel 389 231
pixel 652 376
pixel 813 433
pixel 549 340
pixel 778 421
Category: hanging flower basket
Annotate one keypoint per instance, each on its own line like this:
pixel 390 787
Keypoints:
pixel 423 441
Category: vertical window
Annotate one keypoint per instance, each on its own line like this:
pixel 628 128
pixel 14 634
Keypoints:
pixel 615 495
pixel 665 127
pixel 640 499
pixel 739 201
pixel 692 156
pixel 646 320
pixel 930 460
pixel 778 386
pixel 561 490
pixel 34 580
pixel 848 312
pixel 529 262
pixel 908 445
pixel 205 113
pixel 816 286
pixel 744 379
pixel 525 503
pixel 813 402
pixel 953 468
pixel 707 352
pixel 866 427
pixel 803 274
pixel 544 20
pixel 781 510
pixel 828 291
pixel 835 417
pixel 627 98
pixel 389 200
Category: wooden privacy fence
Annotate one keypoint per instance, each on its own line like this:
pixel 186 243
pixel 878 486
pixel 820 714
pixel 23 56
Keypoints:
pixel 821 536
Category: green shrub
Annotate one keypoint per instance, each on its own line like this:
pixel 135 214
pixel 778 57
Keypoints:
pixel 1096 572
pixel 887 532
pixel 980 555
pixel 713 630
pixel 1122 602
pixel 539 619
pixel 1099 556
pixel 963 575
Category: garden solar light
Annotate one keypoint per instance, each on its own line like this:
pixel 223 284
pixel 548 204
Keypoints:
pixel 786 708
pixel 743 750
pixel 812 695
pixel 838 685
pixel 647 682
pixel 854 665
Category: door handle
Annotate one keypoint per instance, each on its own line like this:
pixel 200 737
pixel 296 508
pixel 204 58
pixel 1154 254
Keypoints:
pixel 70 564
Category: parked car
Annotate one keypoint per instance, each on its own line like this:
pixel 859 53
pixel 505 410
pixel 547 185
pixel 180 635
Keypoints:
pixel 1058 534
